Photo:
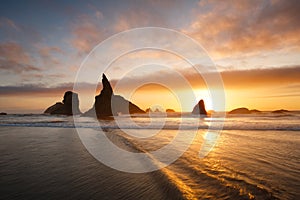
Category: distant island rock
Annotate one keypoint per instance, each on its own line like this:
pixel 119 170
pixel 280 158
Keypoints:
pixel 108 104
pixel 157 110
pixel 170 110
pixel 3 113
pixel 65 107
pixel 280 111
pixel 243 111
pixel 199 108
pixel 240 111
pixel 255 111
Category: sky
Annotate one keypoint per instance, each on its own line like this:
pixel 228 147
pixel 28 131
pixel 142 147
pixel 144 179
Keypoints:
pixel 254 44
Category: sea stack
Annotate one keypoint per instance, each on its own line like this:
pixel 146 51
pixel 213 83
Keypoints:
pixel 69 105
pixel 199 108
pixel 108 104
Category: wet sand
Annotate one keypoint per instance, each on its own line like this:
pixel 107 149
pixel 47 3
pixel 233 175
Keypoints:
pixel 51 163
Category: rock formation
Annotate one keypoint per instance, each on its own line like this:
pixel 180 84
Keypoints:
pixel 255 111
pixel 199 108
pixel 170 110
pixel 70 101
pixel 280 111
pixel 240 111
pixel 108 104
pixel 244 111
pixel 3 113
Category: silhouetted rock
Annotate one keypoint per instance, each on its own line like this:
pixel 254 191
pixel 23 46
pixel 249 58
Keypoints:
pixel 107 104
pixel 199 108
pixel 280 111
pixel 244 111
pixel 121 105
pixel 157 110
pixel 255 111
pixel 3 113
pixel 65 108
pixel 170 110
pixel 240 111
pixel 148 110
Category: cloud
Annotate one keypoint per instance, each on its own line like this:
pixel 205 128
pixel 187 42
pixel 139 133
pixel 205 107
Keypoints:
pixel 5 22
pixel 154 13
pixel 40 89
pixel 246 26
pixel 14 59
pixel 98 14
pixel 280 78
pixel 139 18
pixel 87 32
pixel 274 77
pixel 234 79
pixel 38 77
pixel 48 54
pixel 24 89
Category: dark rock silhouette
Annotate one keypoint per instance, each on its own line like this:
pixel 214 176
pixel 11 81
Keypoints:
pixel 280 111
pixel 170 110
pixel 121 105
pixel 148 110
pixel 3 113
pixel 255 111
pixel 240 111
pixel 65 108
pixel 199 108
pixel 244 111
pixel 108 104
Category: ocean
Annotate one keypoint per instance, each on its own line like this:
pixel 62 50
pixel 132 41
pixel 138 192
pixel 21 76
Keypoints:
pixel 255 156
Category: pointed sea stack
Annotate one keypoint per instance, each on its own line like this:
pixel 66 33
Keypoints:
pixel 69 105
pixel 199 108
pixel 107 104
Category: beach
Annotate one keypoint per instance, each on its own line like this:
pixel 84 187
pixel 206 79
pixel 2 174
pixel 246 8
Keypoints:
pixel 47 160
pixel 130 100
pixel 51 163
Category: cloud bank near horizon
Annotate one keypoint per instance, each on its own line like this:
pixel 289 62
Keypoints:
pixel 233 80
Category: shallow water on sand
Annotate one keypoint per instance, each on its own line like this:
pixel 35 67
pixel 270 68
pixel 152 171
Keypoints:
pixel 242 165
pixel 255 157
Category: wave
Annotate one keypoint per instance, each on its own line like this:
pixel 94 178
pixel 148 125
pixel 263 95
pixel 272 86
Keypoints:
pixel 62 124
pixel 254 123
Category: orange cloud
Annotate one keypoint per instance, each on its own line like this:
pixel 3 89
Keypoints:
pixel 87 33
pixel 48 55
pixel 15 59
pixel 235 79
pixel 241 27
